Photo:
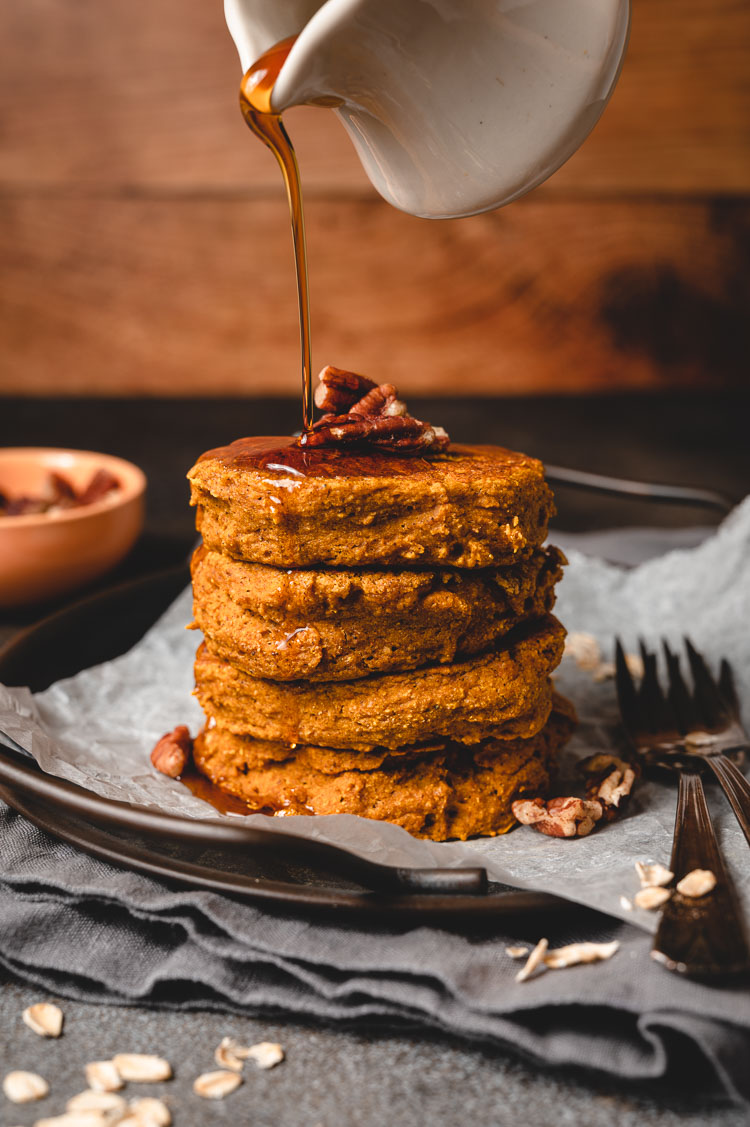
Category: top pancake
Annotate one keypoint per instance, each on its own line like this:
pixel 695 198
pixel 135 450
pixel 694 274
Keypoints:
pixel 267 500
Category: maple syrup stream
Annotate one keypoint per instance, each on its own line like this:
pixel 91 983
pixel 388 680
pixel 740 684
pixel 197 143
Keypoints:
pixel 255 102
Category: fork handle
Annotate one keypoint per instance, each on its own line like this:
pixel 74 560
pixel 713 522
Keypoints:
pixel 735 787
pixel 701 936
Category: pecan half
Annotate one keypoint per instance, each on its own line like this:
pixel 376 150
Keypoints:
pixel 102 483
pixel 62 492
pixel 382 400
pixel 560 817
pixel 338 390
pixel 377 431
pixel 330 419
pixel 173 752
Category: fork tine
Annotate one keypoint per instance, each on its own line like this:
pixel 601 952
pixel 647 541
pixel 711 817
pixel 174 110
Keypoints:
pixel 708 701
pixel 728 690
pixel 627 698
pixel 679 695
pixel 653 705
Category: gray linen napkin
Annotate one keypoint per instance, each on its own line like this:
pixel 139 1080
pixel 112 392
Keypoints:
pixel 78 927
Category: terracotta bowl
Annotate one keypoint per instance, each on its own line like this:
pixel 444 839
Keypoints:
pixel 47 554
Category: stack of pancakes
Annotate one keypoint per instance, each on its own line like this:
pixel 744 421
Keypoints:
pixel 377 635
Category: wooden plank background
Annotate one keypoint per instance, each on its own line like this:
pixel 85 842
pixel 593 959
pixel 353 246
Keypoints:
pixel 146 249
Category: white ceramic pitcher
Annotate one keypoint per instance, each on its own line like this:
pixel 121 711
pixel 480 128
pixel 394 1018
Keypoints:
pixel 454 106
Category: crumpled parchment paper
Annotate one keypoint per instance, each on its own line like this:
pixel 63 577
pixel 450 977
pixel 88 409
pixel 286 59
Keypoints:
pixel 97 728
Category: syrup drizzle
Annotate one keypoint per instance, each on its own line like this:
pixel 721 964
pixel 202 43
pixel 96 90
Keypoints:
pixel 225 802
pixel 255 102
pixel 221 800
pixel 288 464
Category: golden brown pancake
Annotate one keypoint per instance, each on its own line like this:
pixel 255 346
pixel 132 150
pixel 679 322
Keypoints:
pixel 339 624
pixel 505 693
pixel 451 792
pixel 266 500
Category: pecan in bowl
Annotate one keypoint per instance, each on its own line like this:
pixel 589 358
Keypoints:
pixel 359 412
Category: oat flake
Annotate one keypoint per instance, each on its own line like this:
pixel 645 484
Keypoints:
pixel 216 1085
pixel 24 1087
pixel 45 1018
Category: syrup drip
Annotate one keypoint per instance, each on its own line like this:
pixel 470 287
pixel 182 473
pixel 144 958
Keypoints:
pixel 221 800
pixel 255 102
pixel 226 803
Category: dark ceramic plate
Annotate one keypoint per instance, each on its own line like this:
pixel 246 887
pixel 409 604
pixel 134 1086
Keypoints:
pixel 227 856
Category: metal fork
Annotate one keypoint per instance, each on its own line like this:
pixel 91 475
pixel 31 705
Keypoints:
pixel 683 732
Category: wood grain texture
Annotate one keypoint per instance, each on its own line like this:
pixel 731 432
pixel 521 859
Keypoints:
pixel 146 246
pixel 679 119
pixel 127 96
pixel 197 296
pixel 121 96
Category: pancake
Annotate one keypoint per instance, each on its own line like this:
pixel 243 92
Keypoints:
pixel 266 500
pixel 450 792
pixel 340 624
pixel 504 694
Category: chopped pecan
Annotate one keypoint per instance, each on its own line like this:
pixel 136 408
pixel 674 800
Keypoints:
pixel 173 751
pixel 338 390
pixel 609 780
pixel 560 817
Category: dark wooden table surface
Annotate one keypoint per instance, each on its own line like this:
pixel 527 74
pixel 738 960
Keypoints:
pixel 335 1077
